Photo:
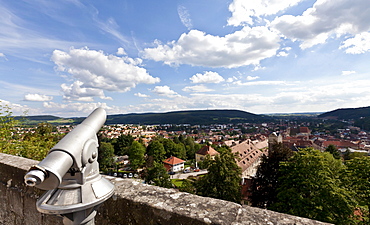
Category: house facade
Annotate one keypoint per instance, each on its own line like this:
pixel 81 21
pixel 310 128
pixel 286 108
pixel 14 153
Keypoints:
pixel 174 164
pixel 204 151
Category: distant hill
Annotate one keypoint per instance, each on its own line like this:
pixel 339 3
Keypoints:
pixel 347 113
pixel 32 120
pixel 39 118
pixel 192 117
pixel 200 117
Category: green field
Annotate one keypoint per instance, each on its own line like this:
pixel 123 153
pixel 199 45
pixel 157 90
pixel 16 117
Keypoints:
pixel 177 182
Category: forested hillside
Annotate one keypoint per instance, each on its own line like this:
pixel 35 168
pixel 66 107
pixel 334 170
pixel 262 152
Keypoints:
pixel 360 116
pixel 188 117
pixel 200 117
pixel 347 114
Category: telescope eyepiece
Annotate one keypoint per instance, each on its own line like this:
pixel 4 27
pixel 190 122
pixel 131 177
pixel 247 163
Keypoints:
pixel 34 177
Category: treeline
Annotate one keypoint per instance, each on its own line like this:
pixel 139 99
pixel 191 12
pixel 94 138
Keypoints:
pixel 193 117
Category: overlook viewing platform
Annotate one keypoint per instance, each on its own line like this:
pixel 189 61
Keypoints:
pixel 132 203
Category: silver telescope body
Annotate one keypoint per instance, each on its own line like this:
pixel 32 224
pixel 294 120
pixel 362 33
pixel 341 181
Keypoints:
pixel 72 153
pixel 70 173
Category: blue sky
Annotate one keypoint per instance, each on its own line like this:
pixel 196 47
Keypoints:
pixel 66 58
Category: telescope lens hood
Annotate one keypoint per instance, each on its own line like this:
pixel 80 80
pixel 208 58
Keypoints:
pixel 34 177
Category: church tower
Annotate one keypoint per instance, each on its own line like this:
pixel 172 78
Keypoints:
pixel 275 137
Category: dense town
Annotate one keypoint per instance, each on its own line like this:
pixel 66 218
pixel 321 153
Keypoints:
pixel 241 137
pixel 294 135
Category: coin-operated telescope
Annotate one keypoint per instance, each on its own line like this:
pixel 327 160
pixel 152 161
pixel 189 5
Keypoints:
pixel 70 173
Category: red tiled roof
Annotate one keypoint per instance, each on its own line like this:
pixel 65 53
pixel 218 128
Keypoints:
pixel 248 153
pixel 339 144
pixel 304 130
pixel 207 150
pixel 168 167
pixel 299 143
pixel 173 160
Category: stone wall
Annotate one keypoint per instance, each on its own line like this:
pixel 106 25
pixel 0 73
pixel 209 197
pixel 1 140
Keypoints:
pixel 132 203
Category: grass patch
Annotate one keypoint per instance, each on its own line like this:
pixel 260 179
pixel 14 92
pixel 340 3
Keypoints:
pixel 177 182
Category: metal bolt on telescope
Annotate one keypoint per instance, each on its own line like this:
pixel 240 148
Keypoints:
pixel 70 173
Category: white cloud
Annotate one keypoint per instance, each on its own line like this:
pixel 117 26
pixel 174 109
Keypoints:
pixel 231 79
pixel 324 20
pixel 321 97
pixel 207 77
pixel 75 92
pixel 2 55
pixel 203 101
pixel 360 43
pixel 110 26
pixel 246 12
pixel 252 78
pixel 165 91
pixel 348 72
pixel 197 88
pixel 94 71
pixel 184 16
pixel 318 98
pixel 244 47
pixel 265 82
pixel 282 54
pixel 141 95
pixel 77 108
pixel 121 51
pixel 258 67
pixel 37 98
pixel 17 109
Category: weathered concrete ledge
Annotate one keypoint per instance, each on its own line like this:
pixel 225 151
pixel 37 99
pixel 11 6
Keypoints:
pixel 132 203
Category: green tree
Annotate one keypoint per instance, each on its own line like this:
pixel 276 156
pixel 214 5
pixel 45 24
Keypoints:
pixel 187 186
pixel 122 144
pixel 310 187
pixel 191 147
pixel 182 138
pixel 173 149
pixel 32 145
pixel 105 156
pixel 265 183
pixel 334 151
pixel 221 149
pixel 44 129
pixel 180 151
pixel 156 150
pixel 169 146
pixel 36 146
pixel 8 144
pixel 136 154
pixel 222 180
pixel 348 155
pixel 357 179
pixel 157 175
